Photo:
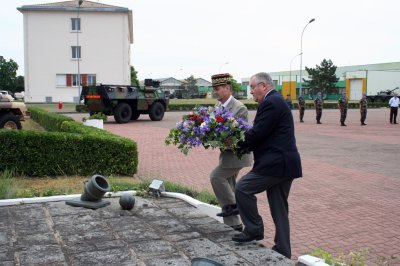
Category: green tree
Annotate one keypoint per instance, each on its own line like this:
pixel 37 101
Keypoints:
pixel 323 78
pixel 190 84
pixel 20 84
pixel 8 74
pixel 134 79
pixel 236 87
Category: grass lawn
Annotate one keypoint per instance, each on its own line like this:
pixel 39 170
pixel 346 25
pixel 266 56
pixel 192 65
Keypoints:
pixel 30 124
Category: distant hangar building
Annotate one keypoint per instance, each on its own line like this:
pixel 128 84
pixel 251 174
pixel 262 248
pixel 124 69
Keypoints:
pixel 355 80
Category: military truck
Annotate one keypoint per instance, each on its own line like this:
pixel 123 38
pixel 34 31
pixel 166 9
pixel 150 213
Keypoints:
pixel 126 102
pixel 11 113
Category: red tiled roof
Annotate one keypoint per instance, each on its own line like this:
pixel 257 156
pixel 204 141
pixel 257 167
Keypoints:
pixel 75 3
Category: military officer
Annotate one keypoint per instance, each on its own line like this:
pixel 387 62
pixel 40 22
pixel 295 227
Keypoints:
pixel 302 106
pixel 363 109
pixel 318 102
pixel 343 105
pixel 223 177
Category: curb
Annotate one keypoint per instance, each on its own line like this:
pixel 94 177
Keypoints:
pixel 209 210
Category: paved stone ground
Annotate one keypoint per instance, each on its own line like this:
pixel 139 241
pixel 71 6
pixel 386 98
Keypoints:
pixel 349 196
pixel 158 231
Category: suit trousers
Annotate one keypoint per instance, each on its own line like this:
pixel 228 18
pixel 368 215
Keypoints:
pixel 393 114
pixel 277 189
pixel 223 181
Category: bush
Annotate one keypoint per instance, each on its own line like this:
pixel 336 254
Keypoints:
pixel 81 108
pixel 189 106
pixel 74 149
pixel 49 121
pixel 96 116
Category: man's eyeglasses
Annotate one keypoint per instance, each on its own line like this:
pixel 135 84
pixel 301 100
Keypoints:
pixel 255 86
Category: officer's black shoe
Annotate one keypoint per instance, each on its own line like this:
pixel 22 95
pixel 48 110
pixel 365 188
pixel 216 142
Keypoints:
pixel 319 122
pixel 395 123
pixel 238 227
pixel 343 125
pixel 301 121
pixel 228 210
pixel 363 124
pixel 245 237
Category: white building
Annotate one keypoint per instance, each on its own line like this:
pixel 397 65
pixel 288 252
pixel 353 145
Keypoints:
pixel 65 40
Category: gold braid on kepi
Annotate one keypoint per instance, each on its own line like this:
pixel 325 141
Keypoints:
pixel 221 79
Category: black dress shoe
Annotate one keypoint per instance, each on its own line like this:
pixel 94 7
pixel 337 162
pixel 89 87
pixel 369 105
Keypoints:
pixel 244 237
pixel 238 227
pixel 319 123
pixel 228 210
pixel 363 124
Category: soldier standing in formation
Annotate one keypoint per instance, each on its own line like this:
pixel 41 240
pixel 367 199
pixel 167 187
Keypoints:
pixel 289 101
pixel 343 105
pixel 318 102
pixel 363 109
pixel 302 106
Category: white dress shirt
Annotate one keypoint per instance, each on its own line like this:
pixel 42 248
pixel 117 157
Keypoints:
pixel 394 102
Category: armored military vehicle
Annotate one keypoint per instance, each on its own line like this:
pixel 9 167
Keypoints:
pixel 11 113
pixel 126 102
pixel 382 96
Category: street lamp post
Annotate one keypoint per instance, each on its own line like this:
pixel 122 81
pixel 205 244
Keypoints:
pixel 219 70
pixel 290 73
pixel 175 78
pixel 77 49
pixel 301 54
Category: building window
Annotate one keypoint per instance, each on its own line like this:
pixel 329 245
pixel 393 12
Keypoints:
pixel 76 52
pixel 75 80
pixel 91 80
pixel 61 80
pixel 76 24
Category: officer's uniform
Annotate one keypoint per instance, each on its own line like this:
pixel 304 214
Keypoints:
pixel 363 110
pixel 343 105
pixel 318 102
pixel 302 107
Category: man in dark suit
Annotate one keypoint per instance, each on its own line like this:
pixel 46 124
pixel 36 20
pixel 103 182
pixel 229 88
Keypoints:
pixel 223 177
pixel 276 163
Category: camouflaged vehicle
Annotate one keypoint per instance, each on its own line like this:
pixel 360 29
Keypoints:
pixel 125 102
pixel 11 113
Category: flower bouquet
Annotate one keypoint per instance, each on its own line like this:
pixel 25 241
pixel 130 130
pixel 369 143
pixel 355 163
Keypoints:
pixel 209 127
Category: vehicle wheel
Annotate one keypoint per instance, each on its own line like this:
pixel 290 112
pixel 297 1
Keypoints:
pixel 10 121
pixel 122 113
pixel 135 115
pixel 156 111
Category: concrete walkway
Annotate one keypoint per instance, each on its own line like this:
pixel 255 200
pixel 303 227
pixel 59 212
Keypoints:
pixel 157 231
pixel 348 199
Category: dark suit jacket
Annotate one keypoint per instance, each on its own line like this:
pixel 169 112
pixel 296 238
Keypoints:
pixel 272 139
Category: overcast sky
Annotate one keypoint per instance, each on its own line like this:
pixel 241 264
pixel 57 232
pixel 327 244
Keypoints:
pixel 241 37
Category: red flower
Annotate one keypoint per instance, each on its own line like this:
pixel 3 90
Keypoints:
pixel 199 120
pixel 193 117
pixel 219 119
